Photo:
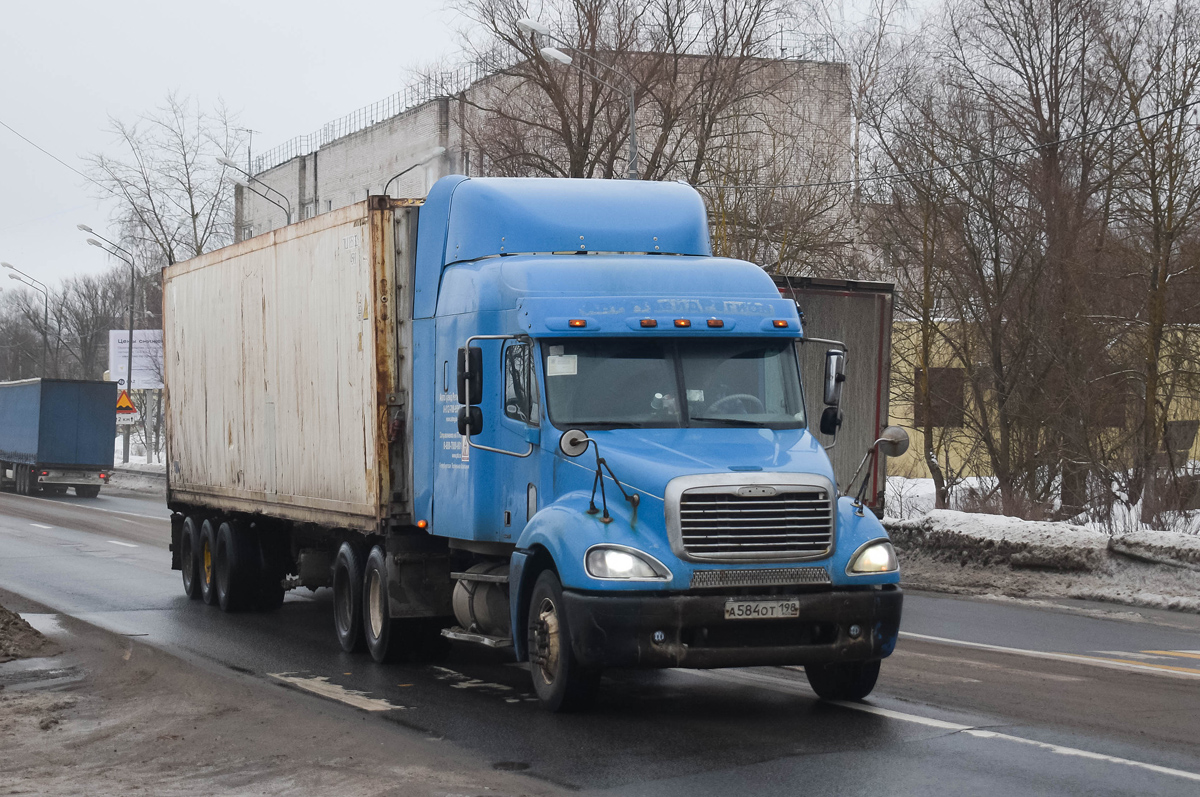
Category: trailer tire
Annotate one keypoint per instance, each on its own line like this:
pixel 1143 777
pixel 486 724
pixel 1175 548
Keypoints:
pixel 208 569
pixel 348 598
pixel 237 568
pixel 381 632
pixel 848 680
pixel 87 491
pixel 561 683
pixel 189 557
pixel 22 476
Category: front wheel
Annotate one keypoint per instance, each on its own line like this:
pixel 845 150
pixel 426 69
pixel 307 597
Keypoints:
pixel 560 681
pixel 844 680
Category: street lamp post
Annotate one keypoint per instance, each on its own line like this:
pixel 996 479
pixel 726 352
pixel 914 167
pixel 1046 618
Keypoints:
pixel 229 163
pixel 434 153
pixel 554 54
pixel 114 251
pixel 41 287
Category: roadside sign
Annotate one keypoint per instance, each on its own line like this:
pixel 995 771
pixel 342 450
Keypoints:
pixel 127 414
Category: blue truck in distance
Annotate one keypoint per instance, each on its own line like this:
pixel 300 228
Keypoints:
pixel 57 434
pixel 532 414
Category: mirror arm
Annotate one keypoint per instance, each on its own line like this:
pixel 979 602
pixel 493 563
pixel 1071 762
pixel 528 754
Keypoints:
pixel 467 370
pixel 827 342
pixel 501 450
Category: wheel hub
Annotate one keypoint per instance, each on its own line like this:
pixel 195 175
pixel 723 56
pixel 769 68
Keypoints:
pixel 546 640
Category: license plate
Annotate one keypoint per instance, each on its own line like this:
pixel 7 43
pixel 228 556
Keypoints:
pixel 761 610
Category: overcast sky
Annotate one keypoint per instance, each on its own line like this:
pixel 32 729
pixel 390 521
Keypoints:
pixel 286 66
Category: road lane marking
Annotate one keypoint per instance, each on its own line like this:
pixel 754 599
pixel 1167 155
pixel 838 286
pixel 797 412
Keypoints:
pixel 1187 654
pixel 1095 661
pixel 123 544
pixel 40 526
pixel 792 687
pixel 320 685
pixel 1166 667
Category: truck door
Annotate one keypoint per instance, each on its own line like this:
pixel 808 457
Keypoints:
pixel 482 492
pixel 519 431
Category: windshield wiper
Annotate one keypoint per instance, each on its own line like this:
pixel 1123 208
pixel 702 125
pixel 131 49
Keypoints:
pixel 730 421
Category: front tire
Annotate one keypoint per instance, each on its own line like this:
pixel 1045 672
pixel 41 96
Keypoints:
pixel 189 557
pixel 844 680
pixel 561 683
pixel 348 598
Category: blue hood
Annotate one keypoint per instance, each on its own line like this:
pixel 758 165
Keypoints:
pixel 647 459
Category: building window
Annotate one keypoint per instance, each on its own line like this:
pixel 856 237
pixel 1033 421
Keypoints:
pixel 946 388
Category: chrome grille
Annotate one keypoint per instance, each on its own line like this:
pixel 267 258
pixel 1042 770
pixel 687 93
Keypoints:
pixel 770 577
pixel 791 524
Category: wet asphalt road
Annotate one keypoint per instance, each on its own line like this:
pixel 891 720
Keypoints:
pixel 981 697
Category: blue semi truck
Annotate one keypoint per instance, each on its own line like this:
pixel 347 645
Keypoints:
pixel 531 414
pixel 57 434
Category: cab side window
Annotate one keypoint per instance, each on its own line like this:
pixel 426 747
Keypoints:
pixel 520 384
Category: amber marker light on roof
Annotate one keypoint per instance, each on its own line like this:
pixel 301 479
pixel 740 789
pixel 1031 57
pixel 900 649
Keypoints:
pixel 577 323
pixel 781 323
pixel 682 322
pixel 716 323
pixel 649 322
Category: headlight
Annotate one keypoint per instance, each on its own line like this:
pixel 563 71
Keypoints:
pixel 610 561
pixel 876 557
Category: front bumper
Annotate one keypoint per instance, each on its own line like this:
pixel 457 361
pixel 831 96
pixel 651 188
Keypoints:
pixel 620 631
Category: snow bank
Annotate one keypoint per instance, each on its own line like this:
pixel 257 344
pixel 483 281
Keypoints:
pixel 995 539
pixel 954 551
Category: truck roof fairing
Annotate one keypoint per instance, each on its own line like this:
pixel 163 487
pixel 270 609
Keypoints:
pixel 473 218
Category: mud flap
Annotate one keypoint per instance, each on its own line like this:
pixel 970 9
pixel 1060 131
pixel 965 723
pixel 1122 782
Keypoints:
pixel 519 586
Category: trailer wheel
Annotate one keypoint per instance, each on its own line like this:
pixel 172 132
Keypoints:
pixel 208 569
pixel 851 680
pixel 379 630
pixel 236 566
pixel 559 680
pixel 87 491
pixel 22 475
pixel 189 557
pixel 347 598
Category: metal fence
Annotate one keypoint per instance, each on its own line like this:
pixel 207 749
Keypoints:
pixel 787 45
pixel 429 87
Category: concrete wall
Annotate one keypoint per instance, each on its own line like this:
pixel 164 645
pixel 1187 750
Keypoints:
pixel 808 97
pixel 345 171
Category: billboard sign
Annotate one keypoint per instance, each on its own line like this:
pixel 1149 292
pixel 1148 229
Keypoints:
pixel 147 358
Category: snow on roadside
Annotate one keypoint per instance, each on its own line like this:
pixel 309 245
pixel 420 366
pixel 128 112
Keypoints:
pixel 954 551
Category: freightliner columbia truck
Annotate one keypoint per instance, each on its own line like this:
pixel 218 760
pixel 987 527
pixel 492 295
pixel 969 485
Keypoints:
pixel 532 414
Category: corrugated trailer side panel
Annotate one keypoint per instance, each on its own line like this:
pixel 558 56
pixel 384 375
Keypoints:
pixel 270 350
pixel 19 417
pixel 78 423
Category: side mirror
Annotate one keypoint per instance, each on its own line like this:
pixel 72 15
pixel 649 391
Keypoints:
pixel 893 441
pixel 573 442
pixel 470 380
pixel 470 421
pixel 831 421
pixel 835 374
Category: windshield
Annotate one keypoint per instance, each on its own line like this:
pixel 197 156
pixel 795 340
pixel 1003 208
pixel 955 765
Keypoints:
pixel 617 382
